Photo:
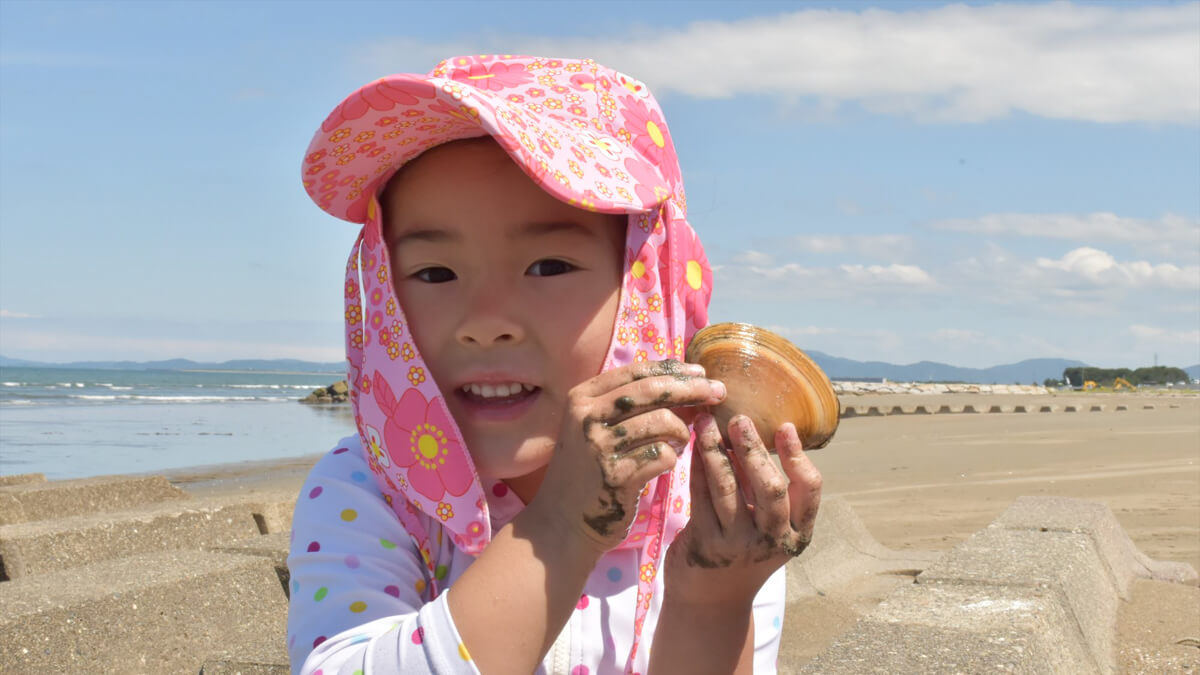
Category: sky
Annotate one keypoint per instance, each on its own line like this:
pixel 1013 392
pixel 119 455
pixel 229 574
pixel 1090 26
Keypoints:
pixel 973 183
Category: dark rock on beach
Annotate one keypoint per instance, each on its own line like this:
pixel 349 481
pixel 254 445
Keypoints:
pixel 337 392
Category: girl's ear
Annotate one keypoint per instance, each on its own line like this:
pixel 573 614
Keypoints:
pixel 383 394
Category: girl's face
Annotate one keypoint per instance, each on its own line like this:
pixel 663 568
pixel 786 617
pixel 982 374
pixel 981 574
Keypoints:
pixel 510 294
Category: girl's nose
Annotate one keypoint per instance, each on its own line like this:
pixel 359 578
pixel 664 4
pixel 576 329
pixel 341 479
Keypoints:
pixel 490 320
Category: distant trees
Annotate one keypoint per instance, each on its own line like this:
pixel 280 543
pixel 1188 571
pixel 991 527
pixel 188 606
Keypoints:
pixel 1105 376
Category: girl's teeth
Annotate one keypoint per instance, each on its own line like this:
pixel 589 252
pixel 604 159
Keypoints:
pixel 496 390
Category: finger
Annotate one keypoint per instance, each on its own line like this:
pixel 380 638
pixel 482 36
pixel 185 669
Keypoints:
pixel 618 377
pixel 703 516
pixel 722 483
pixel 804 489
pixel 768 487
pixel 655 393
pixel 657 425
pixel 632 470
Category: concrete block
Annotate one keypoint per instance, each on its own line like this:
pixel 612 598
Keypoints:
pixel 1071 408
pixel 62 498
pixel 946 410
pixel 1120 555
pixel 874 411
pixel 22 479
pixel 1122 408
pixel 1148 407
pixel 848 411
pixel 1053 564
pixel 998 409
pixel 41 547
pixel 969 409
pixel 1048 408
pixel 1020 409
pixel 165 612
pixel 897 410
pixel 954 630
pixel 921 410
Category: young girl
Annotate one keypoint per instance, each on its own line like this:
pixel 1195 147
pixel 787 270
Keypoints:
pixel 523 495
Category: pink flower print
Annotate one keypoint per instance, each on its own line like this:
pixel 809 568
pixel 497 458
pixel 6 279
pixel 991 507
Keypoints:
pixel 386 121
pixel 583 82
pixel 649 333
pixel 648 186
pixel 380 95
pixel 677 504
pixel 351 289
pixel 536 92
pixel 650 137
pixel 376 296
pixel 497 76
pixel 419 437
pixel 692 277
pixel 605 145
pixel 356 338
pixel 642 266
pixel 375 447
pixel 462 112
pixel 632 85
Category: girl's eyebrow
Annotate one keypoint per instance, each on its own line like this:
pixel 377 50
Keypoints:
pixel 528 231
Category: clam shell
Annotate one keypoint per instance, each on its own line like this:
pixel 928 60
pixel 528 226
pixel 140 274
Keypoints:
pixel 767 379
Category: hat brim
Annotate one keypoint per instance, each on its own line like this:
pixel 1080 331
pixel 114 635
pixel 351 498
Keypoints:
pixel 569 140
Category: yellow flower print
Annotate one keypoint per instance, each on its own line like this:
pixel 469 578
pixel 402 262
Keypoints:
pixel 397 328
pixel 345 159
pixel 554 104
pixel 660 346
pixel 344 147
pixel 642 317
pixel 603 189
pixel 624 194
pixel 393 351
pixel 364 137
pixel 574 67
pixel 562 178
pixel 546 80
pixel 391 307
pixel 654 303
pixel 382 275
pixel 356 338
pixel 641 356
pixel 339 135
pixel 354 313
pixel 575 168
pixel 445 511
pixel 648 572
pixel 416 375
pixel 678 347
pixel 394 133
pixel 621 176
pixel 407 352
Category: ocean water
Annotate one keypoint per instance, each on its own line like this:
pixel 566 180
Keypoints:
pixel 71 423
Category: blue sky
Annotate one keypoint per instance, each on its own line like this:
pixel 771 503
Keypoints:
pixel 974 184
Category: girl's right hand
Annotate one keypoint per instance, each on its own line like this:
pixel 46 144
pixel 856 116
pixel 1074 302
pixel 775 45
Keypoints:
pixel 619 432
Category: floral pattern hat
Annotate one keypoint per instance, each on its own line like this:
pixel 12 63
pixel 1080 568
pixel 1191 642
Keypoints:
pixel 591 137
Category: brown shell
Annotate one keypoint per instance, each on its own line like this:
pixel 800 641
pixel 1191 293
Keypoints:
pixel 767 379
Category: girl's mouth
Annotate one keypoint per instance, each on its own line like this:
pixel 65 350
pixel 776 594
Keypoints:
pixel 497 402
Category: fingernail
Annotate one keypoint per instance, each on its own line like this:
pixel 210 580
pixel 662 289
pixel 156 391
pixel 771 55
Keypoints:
pixel 718 388
pixel 693 369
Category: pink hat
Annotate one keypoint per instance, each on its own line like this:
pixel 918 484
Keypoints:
pixel 591 137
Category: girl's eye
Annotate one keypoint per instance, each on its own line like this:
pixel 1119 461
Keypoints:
pixel 435 275
pixel 550 268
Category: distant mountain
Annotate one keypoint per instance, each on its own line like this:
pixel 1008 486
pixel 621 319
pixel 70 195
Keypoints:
pixel 1023 372
pixel 1193 371
pixel 289 365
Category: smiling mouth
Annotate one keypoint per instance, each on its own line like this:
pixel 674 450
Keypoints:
pixel 497 393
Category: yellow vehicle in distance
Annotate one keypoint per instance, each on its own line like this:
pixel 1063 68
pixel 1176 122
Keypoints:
pixel 1121 382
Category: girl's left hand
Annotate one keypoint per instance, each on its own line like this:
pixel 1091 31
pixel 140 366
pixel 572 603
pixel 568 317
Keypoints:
pixel 748 518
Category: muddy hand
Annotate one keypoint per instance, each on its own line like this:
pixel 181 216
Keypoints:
pixel 619 433
pixel 748 517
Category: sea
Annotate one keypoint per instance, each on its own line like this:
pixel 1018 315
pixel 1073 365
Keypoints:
pixel 74 423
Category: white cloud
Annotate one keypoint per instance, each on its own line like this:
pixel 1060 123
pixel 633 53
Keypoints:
pixel 1097 268
pixel 6 314
pixel 951 63
pixel 1186 337
pixel 907 275
pixel 750 257
pixel 870 245
pixel 1100 226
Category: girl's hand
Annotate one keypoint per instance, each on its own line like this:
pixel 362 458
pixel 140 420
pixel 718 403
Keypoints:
pixel 618 433
pixel 748 518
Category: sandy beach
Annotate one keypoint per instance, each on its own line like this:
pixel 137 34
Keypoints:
pixel 927 482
